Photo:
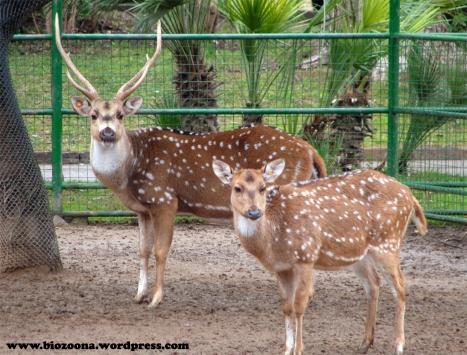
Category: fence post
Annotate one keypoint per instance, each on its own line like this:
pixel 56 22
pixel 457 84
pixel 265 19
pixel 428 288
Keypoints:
pixel 57 128
pixel 393 87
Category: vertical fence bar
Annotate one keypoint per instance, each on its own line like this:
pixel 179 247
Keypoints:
pixel 393 87
pixel 56 70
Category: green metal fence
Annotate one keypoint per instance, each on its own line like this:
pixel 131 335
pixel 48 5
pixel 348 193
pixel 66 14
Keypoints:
pixel 437 170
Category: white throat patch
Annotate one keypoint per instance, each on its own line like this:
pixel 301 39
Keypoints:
pixel 108 158
pixel 245 226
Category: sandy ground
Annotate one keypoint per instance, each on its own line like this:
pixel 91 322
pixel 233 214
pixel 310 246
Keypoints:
pixel 220 300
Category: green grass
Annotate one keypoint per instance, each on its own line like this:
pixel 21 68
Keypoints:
pixel 438 200
pixel 431 176
pixel 109 64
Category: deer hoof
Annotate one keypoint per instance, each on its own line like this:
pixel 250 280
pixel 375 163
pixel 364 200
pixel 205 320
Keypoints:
pixel 139 298
pixel 297 352
pixel 399 349
pixel 363 349
pixel 153 304
pixel 156 300
pixel 365 346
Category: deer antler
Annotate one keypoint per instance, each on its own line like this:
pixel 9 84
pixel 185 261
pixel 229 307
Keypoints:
pixel 128 88
pixel 85 86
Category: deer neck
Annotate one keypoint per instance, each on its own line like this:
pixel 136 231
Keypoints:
pixel 254 235
pixel 111 162
pixel 247 228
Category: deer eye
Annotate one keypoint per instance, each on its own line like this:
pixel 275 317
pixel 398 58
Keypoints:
pixel 94 117
pixel 119 115
pixel 237 189
pixel 262 189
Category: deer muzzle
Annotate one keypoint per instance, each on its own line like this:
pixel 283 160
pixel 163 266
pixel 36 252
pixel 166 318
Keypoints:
pixel 254 213
pixel 107 135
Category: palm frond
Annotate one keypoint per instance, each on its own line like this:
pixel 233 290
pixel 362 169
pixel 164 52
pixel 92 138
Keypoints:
pixel 457 84
pixel 323 14
pixel 167 120
pixel 416 16
pixel 149 11
pixel 429 85
pixel 349 59
pixel 261 16
pixel 375 16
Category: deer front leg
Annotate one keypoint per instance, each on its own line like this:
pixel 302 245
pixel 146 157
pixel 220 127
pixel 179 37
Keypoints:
pixel 163 221
pixel 366 271
pixel 287 285
pixel 303 294
pixel 146 241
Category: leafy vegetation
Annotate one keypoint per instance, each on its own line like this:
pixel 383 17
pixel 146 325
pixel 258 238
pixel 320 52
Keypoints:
pixel 194 79
pixel 430 85
pixel 352 62
pixel 261 16
pixel 78 16
pixel 167 119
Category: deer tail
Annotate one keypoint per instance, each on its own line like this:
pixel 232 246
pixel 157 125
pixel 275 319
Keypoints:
pixel 418 217
pixel 319 165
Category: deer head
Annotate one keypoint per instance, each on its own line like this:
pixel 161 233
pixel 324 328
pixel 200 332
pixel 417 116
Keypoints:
pixel 106 115
pixel 248 197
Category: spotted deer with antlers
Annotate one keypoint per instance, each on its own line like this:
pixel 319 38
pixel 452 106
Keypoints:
pixel 157 172
pixel 355 220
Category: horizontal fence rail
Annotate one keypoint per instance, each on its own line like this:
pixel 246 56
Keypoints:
pixel 460 112
pixel 241 36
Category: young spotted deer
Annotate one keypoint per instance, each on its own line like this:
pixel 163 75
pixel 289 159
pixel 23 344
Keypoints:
pixel 355 220
pixel 157 173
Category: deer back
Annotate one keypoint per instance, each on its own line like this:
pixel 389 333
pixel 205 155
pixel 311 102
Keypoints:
pixel 171 165
pixel 333 222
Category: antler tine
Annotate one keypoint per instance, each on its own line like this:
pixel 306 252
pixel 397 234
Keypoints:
pixel 88 90
pixel 128 88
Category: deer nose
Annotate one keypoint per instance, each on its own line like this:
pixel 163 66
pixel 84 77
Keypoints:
pixel 254 213
pixel 107 134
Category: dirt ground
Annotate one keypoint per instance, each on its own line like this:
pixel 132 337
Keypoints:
pixel 220 300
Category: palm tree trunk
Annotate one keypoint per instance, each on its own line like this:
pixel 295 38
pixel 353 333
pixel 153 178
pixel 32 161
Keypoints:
pixel 352 129
pixel 251 119
pixel 195 84
pixel 27 236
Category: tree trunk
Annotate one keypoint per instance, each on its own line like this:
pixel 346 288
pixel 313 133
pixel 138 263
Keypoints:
pixel 345 133
pixel 196 85
pixel 27 236
pixel 352 129
pixel 252 119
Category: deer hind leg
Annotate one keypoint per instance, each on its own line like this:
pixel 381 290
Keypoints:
pixel 146 241
pixel 366 271
pixel 303 294
pixel 287 286
pixel 391 265
pixel 163 222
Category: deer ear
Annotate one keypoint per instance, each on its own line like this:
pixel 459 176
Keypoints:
pixel 223 171
pixel 81 105
pixel 273 169
pixel 132 105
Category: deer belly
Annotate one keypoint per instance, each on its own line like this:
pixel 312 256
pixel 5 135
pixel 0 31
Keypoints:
pixel 205 210
pixel 335 259
pixel 131 202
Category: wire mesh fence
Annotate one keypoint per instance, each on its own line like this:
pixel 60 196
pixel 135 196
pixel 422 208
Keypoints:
pixel 27 236
pixel 431 149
